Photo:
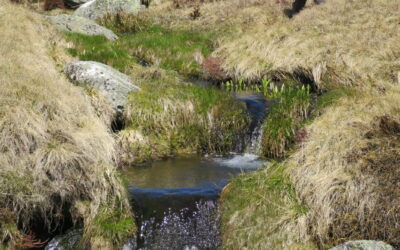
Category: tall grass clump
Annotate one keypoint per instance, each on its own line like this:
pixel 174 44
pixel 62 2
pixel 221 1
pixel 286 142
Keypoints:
pixel 170 116
pixel 347 169
pixel 57 160
pixel 285 117
pixel 122 22
pixel 310 44
pixel 260 210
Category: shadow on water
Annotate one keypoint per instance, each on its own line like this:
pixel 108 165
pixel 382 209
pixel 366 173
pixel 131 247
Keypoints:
pixel 175 199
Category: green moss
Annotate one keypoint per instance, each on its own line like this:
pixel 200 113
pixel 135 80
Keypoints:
pixel 256 209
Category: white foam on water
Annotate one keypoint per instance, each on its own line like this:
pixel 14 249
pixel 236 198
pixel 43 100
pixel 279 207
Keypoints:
pixel 242 161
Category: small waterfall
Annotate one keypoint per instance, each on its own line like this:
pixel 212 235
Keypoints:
pixel 177 198
pixel 255 140
pixel 257 107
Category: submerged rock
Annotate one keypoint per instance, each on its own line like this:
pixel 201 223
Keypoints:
pixel 97 8
pixel 81 25
pixel 363 245
pixel 110 82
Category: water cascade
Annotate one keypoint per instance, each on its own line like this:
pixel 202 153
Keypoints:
pixel 176 199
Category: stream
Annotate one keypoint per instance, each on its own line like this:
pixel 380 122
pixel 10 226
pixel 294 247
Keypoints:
pixel 176 200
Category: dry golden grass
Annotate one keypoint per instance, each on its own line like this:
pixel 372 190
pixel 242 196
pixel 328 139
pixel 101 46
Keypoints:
pixel 333 43
pixel 348 170
pixel 55 151
pixel 230 16
pixel 260 211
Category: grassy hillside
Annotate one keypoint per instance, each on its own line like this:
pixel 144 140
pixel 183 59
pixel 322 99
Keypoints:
pixel 339 146
pixel 346 167
pixel 57 164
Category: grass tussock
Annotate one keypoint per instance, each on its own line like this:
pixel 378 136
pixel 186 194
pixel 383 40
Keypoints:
pixel 346 171
pixel 51 158
pixel 345 168
pixel 335 43
pixel 170 116
pixel 284 120
pixel 261 211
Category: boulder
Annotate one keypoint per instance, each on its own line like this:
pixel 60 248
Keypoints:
pixel 74 4
pixel 363 245
pixel 81 25
pixel 110 82
pixel 97 8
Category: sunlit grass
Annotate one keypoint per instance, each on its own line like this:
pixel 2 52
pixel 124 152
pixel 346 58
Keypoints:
pixel 150 45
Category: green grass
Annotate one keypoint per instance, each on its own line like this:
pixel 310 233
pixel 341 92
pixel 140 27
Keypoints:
pixel 99 49
pixel 257 209
pixel 178 117
pixel 155 45
pixel 331 96
pixel 170 49
pixel 113 225
pixel 285 117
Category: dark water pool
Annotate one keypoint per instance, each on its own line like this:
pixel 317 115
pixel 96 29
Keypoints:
pixel 175 199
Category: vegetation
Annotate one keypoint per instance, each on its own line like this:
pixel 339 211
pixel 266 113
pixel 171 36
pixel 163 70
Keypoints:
pixel 339 183
pixel 290 108
pixel 284 120
pixel 170 116
pixel 260 210
pixel 111 228
pixel 336 170
pixel 148 44
pixel 51 158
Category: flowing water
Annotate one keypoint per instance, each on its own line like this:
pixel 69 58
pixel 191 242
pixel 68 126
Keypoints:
pixel 176 199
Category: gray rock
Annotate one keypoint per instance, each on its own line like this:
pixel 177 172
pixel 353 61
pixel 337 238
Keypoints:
pixel 363 245
pixel 74 4
pixel 69 240
pixel 81 25
pixel 110 82
pixel 97 8
pixel 130 245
